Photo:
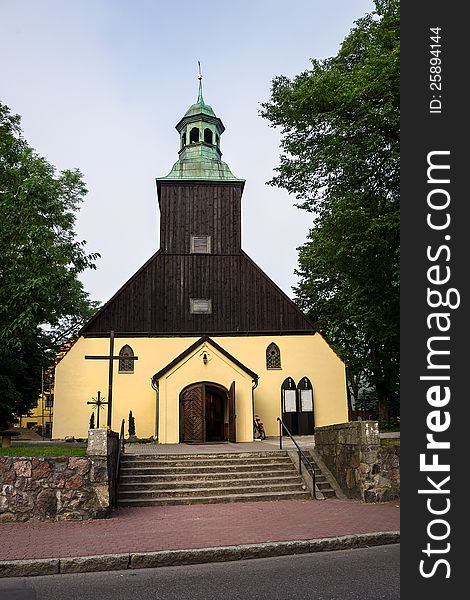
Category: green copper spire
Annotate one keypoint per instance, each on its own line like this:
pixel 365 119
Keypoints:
pixel 200 156
pixel 199 76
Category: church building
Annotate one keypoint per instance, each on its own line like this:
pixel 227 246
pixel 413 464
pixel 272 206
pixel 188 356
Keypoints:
pixel 200 340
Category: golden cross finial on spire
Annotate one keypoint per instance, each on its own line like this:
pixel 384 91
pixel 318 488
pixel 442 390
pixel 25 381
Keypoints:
pixel 199 76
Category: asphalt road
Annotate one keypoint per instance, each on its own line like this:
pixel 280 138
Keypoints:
pixel 362 574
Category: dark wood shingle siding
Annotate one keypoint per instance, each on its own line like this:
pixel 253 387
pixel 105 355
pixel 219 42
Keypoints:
pixel 200 209
pixel 157 300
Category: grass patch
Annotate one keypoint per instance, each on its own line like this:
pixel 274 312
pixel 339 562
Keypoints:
pixel 43 451
pixel 390 442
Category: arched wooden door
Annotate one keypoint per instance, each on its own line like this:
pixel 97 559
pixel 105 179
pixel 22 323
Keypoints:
pixel 205 413
pixel 232 425
pixel 192 426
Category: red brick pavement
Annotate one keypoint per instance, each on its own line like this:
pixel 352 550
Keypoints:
pixel 150 529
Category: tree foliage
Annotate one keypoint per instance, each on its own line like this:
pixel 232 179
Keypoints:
pixel 340 142
pixel 131 424
pixel 42 301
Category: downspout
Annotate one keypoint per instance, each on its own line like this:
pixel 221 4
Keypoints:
pixel 255 385
pixel 157 407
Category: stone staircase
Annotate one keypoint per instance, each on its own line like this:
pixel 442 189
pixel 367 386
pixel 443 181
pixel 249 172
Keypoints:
pixel 321 480
pixel 152 480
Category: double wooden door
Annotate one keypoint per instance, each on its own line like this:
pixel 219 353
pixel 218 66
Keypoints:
pixel 207 413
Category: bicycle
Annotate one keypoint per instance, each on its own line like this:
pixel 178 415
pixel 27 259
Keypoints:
pixel 258 429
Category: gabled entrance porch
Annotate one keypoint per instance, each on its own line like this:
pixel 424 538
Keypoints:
pixel 204 396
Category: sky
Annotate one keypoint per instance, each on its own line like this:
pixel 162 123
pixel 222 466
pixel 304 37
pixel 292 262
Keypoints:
pixel 101 84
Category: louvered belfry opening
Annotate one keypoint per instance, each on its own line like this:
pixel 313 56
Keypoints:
pixel 200 244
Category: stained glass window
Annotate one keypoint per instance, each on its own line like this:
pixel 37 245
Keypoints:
pixel 126 365
pixel 273 356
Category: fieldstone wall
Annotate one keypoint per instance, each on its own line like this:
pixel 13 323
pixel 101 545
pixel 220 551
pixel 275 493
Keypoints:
pixel 364 470
pixel 59 488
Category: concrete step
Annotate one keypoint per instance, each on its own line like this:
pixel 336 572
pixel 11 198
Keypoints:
pixel 142 482
pixel 162 463
pixel 256 497
pixel 188 469
pixel 130 477
pixel 208 492
pixel 147 480
pixel 220 455
pixel 321 480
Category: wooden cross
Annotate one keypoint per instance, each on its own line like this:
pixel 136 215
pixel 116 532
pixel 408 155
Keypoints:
pixel 110 358
pixel 98 403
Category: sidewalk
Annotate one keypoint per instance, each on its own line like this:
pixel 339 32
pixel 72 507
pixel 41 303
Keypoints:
pixel 221 530
pixel 136 537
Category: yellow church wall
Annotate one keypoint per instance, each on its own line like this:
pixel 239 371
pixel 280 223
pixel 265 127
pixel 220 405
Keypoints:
pixel 301 356
pixel 78 380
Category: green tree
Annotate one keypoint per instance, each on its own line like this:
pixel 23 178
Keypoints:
pixel 131 424
pixel 42 300
pixel 340 140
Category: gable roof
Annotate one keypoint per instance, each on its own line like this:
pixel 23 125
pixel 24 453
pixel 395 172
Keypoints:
pixel 156 300
pixel 190 349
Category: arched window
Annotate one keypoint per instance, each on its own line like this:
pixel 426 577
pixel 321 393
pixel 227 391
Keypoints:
pixel 126 365
pixel 273 356
pixel 194 135
pixel 289 396
pixel 208 135
pixel 305 395
pixel 305 418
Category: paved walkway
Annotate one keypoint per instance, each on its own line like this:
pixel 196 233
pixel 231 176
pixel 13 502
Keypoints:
pixel 268 445
pixel 150 529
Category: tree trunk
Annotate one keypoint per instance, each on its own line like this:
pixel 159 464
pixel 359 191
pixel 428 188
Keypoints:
pixel 384 408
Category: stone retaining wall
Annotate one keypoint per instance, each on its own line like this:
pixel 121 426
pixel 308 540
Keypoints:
pixel 60 488
pixel 364 469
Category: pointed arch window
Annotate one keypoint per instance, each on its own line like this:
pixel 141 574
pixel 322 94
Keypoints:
pixel 305 389
pixel 126 365
pixel 289 397
pixel 273 356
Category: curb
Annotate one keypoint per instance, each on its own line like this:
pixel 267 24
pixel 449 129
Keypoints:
pixel 171 558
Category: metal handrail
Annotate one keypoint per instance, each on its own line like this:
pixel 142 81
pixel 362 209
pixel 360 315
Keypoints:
pixel 118 461
pixel 121 437
pixel 302 456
